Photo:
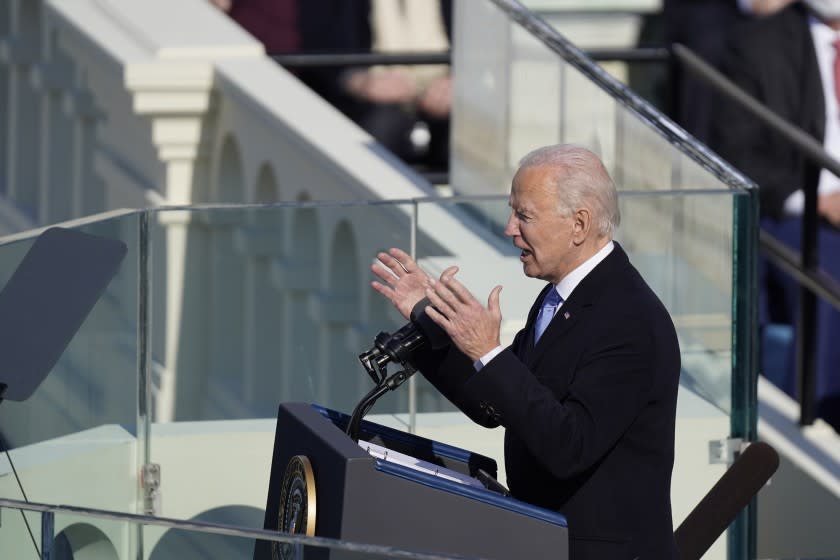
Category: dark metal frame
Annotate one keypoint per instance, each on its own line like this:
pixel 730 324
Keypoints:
pixel 340 59
pixel 804 267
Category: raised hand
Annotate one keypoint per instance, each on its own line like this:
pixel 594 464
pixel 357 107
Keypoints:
pixel 473 328
pixel 403 282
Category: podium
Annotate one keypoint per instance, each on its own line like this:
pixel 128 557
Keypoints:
pixel 395 489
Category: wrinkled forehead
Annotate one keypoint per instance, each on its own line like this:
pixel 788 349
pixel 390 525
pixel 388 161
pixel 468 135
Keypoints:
pixel 533 188
pixel 536 180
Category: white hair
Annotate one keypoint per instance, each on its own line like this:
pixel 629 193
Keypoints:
pixel 580 180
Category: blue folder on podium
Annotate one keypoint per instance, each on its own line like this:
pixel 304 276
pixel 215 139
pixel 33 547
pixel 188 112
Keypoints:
pixel 395 489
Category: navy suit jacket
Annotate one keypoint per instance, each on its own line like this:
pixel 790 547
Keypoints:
pixel 589 412
pixel 773 59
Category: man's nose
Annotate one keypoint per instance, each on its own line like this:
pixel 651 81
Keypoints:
pixel 512 227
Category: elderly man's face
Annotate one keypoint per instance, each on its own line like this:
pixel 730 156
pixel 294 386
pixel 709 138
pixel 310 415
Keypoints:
pixel 538 229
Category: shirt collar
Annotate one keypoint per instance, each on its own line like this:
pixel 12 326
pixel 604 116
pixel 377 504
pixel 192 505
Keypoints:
pixel 822 33
pixel 572 279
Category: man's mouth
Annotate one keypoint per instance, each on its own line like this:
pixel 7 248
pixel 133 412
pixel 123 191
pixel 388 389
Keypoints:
pixel 524 254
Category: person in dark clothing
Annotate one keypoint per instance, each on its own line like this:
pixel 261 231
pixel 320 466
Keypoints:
pixel 409 118
pixel 587 391
pixel 787 61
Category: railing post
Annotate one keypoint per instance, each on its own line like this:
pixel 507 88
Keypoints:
pixel 741 537
pixel 806 324
pixel 412 381
pixel 47 535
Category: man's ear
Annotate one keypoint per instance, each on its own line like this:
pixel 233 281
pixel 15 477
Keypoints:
pixel 581 225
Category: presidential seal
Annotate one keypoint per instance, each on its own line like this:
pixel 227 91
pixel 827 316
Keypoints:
pixel 297 504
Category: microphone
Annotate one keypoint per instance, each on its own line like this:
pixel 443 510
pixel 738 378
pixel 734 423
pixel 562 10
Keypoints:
pixel 399 347
pixel 435 335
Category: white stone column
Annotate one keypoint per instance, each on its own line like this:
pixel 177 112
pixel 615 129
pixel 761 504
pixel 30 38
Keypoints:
pixel 260 244
pixel 53 78
pixel 21 50
pixel 86 191
pixel 55 156
pixel 177 97
pixel 296 277
pixel 5 71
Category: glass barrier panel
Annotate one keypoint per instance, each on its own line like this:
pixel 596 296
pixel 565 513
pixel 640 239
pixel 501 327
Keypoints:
pixel 15 541
pixel 260 305
pixel 164 543
pixel 104 537
pixel 513 94
pixel 254 306
pixel 690 267
pixel 688 264
pixel 78 430
pixel 606 25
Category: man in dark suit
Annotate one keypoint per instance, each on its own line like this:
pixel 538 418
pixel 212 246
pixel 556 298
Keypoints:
pixel 787 61
pixel 589 404
pixel 703 26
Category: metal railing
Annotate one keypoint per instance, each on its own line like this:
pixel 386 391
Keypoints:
pixel 49 511
pixel 343 59
pixel 803 267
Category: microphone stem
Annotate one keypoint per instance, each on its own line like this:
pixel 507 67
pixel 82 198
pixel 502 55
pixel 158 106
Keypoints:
pixel 362 408
pixel 367 402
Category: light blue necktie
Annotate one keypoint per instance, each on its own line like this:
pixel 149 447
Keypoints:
pixel 549 307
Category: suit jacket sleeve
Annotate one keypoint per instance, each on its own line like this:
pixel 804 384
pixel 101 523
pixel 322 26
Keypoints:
pixel 568 430
pixel 449 370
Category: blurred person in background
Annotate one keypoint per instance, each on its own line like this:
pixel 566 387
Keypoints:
pixel 405 108
pixel 789 62
pixel 702 26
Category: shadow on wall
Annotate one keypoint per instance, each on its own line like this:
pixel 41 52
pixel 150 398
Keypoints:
pixel 81 541
pixel 176 543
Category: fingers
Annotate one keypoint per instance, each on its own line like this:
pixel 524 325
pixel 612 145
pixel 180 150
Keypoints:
pixel 472 328
pixel 398 262
pixel 385 274
pixel 452 290
pixel 439 318
pixel 449 273
pixel 385 291
pixel 450 296
pixel 493 302
pixel 434 294
pixel 403 259
pixel 392 264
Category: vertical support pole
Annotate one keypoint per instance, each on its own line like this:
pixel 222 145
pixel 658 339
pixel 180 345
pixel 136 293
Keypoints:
pixel 741 537
pixel 144 381
pixel 806 322
pixel 412 381
pixel 47 535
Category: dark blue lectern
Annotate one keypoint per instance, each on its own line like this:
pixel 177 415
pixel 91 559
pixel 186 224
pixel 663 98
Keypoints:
pixel 395 489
